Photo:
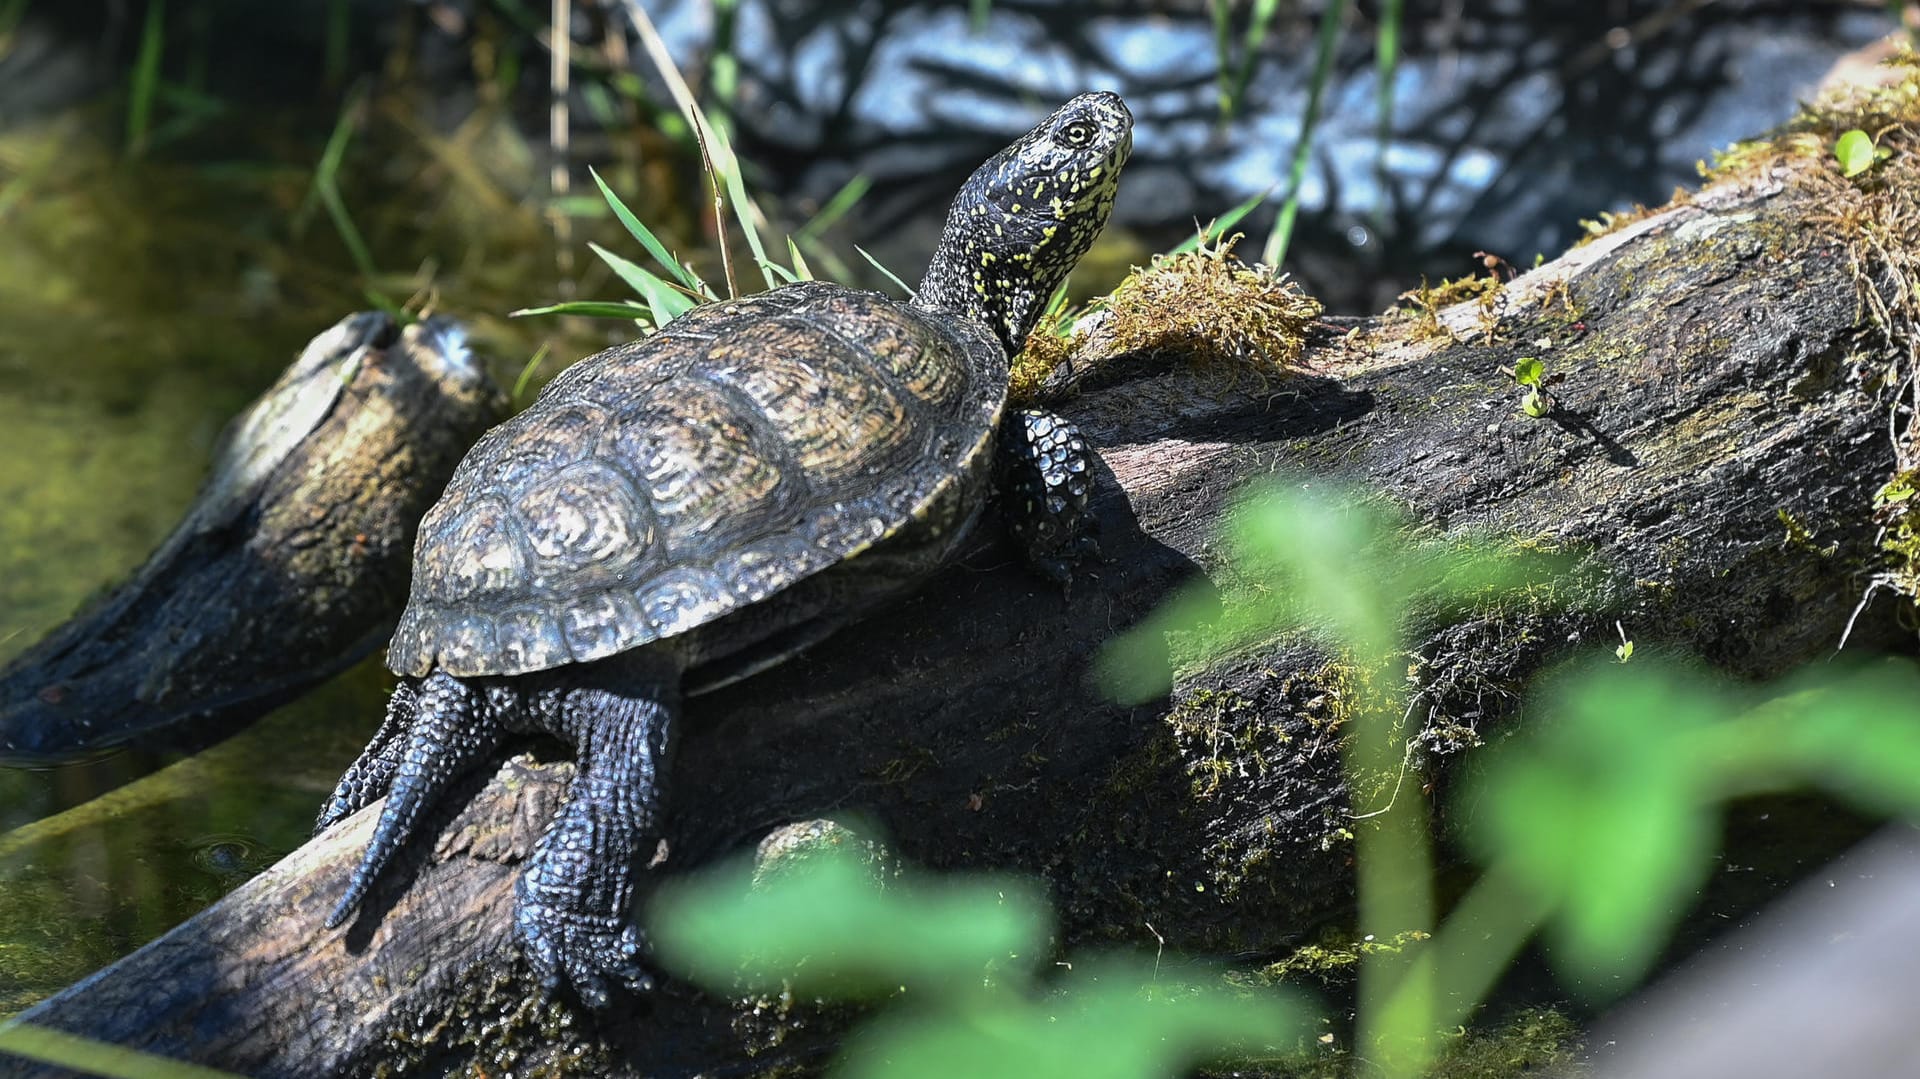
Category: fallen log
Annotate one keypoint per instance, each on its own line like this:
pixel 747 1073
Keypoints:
pixel 1715 442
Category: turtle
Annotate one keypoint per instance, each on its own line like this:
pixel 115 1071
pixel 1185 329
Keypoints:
pixel 677 512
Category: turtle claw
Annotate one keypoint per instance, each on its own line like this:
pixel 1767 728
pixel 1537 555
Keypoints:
pixel 590 955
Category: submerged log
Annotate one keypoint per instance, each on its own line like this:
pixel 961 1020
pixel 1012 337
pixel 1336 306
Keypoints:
pixel 289 567
pixel 1715 444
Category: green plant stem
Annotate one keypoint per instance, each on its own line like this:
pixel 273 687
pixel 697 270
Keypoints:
pixel 1326 42
pixel 1386 65
pixel 1395 875
pixel 78 1054
pixel 146 78
pixel 1451 977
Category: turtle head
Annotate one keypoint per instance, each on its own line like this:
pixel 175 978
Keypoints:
pixel 1026 216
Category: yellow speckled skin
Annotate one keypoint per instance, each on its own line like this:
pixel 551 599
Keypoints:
pixel 659 485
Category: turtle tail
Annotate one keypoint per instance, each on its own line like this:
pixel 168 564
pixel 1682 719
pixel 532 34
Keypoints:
pixel 452 730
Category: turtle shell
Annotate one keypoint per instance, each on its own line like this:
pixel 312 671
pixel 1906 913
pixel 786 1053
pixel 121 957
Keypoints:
pixel 658 485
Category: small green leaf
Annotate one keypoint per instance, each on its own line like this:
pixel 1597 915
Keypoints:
pixel 1535 403
pixel 1526 371
pixel 1624 652
pixel 1855 152
pixel 1111 1020
pixel 826 926
pixel 1607 811
pixel 1898 489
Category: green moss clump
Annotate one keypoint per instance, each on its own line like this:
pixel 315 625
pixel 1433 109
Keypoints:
pixel 1205 306
pixel 1334 959
pixel 1425 303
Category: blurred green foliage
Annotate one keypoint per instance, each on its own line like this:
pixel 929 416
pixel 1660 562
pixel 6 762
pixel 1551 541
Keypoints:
pixel 1597 820
pixel 960 958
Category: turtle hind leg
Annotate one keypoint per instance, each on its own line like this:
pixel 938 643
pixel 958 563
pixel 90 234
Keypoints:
pixel 367 778
pixel 1046 473
pixel 572 912
pixel 451 730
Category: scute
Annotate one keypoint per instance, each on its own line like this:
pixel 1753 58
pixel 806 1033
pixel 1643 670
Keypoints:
pixel 659 485
pixel 587 515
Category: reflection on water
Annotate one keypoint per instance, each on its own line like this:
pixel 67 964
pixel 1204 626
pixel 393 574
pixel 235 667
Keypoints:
pixel 82 887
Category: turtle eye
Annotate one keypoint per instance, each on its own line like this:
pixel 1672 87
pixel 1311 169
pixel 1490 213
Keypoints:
pixel 1078 135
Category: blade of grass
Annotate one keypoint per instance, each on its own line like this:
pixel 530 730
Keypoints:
pixel 526 373
pixel 146 78
pixel 784 274
pixel 84 1055
pixel 800 267
pixel 630 310
pixel 326 187
pixel 647 239
pixel 1386 65
pixel 723 168
pixel 891 276
pixel 1327 40
pixel 1256 35
pixel 1222 12
pixel 835 208
pixel 1222 224
pixel 662 299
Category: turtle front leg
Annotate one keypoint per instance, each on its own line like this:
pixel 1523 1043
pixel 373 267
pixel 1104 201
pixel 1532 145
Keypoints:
pixel 573 911
pixel 1046 473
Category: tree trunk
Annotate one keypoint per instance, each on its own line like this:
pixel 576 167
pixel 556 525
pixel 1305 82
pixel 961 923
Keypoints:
pixel 1715 445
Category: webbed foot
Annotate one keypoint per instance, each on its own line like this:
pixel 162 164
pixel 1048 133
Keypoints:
pixel 573 902
pixel 593 954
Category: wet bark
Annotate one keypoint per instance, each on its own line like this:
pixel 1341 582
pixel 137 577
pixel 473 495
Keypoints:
pixel 1717 437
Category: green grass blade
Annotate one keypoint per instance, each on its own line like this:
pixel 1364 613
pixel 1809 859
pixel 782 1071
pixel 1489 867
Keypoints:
pixel 845 199
pixel 661 298
pixel 777 270
pixel 722 166
pixel 1386 65
pixel 801 270
pixel 1222 11
pixel 891 276
pixel 526 372
pixel 622 309
pixel 1257 27
pixel 1327 41
pixel 84 1055
pixel 1222 225
pixel 646 237
pixel 146 78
